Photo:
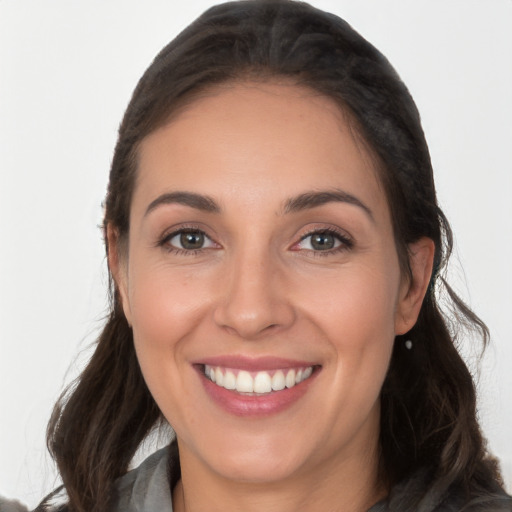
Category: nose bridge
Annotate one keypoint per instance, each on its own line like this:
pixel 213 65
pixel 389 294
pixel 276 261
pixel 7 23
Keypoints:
pixel 253 299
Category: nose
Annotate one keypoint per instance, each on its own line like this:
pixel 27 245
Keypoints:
pixel 253 300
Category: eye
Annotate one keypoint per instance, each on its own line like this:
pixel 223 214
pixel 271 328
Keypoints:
pixel 188 240
pixel 323 240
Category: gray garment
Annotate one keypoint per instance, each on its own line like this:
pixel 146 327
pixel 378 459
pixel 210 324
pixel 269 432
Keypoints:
pixel 11 505
pixel 147 489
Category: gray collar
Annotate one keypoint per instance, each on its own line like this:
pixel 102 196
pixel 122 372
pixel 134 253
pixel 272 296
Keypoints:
pixel 146 488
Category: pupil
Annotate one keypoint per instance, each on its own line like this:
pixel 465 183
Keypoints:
pixel 193 240
pixel 322 241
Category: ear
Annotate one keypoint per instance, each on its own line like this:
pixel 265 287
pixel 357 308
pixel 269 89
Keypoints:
pixel 118 265
pixel 412 291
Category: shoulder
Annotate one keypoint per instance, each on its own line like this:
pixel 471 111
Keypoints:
pixel 7 505
pixel 423 492
pixel 146 488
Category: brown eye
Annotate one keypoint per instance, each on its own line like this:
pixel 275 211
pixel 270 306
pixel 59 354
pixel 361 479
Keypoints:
pixel 189 240
pixel 192 240
pixel 323 241
pixel 326 241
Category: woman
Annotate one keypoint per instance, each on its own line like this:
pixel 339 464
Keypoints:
pixel 276 246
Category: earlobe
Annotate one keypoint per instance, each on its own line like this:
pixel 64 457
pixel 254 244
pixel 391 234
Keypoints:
pixel 117 267
pixel 421 258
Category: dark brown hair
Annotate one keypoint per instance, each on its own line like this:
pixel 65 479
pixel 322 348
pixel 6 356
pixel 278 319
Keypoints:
pixel 428 420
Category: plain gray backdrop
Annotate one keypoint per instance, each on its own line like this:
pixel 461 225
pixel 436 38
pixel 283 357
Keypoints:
pixel 67 69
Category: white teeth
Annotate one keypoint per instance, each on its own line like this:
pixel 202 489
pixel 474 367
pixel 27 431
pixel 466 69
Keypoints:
pixel 244 382
pixel 290 379
pixel 278 382
pixel 261 383
pixel 229 380
pixel 219 377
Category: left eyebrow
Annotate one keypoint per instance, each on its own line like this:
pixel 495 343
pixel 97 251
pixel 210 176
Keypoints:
pixel 314 199
pixel 191 199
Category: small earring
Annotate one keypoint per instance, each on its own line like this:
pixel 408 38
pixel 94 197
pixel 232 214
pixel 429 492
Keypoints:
pixel 408 344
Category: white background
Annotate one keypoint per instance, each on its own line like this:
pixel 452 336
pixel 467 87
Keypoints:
pixel 67 69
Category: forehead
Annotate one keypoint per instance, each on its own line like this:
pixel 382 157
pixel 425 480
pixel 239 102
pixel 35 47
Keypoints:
pixel 256 138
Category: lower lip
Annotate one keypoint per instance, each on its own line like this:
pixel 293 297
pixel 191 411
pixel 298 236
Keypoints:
pixel 255 405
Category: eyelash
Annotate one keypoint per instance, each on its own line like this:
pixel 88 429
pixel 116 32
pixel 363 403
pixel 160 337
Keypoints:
pixel 164 241
pixel 346 243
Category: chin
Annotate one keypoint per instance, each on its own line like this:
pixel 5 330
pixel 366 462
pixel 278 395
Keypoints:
pixel 252 458
pixel 257 468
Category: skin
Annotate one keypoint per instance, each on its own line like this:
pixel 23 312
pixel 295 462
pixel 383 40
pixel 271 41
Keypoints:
pixel 258 288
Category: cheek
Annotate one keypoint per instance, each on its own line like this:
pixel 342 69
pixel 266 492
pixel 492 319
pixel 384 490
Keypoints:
pixel 164 301
pixel 355 312
pixel 166 308
pixel 353 303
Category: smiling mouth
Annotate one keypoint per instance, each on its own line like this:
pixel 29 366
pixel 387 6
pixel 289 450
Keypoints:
pixel 257 383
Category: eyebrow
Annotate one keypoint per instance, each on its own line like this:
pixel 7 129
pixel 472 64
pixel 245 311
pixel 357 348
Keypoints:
pixel 197 201
pixel 305 201
pixel 314 199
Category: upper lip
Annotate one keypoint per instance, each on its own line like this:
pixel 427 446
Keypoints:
pixel 264 363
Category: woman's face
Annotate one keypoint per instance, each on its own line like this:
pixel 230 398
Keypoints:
pixel 261 256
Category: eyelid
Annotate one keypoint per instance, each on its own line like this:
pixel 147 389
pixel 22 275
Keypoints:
pixel 346 242
pixel 167 236
pixel 343 239
pixel 208 241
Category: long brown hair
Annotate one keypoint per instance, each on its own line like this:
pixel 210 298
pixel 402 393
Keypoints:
pixel 428 420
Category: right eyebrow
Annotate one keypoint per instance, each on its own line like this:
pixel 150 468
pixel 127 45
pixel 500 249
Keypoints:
pixel 197 201
pixel 310 200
